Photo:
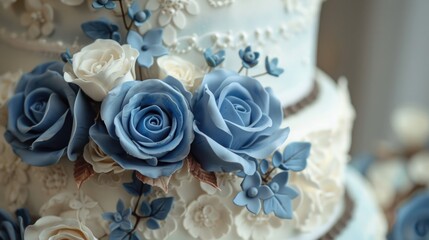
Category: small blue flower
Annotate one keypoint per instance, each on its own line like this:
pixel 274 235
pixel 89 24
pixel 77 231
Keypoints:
pixel 249 58
pixel 67 57
pixel 281 202
pixel 149 45
pixel 120 220
pixel 272 68
pixel 11 229
pixel 108 4
pixel 252 193
pixel 137 15
pixel 214 59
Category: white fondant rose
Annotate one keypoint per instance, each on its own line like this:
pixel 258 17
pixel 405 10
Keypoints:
pixel 184 71
pixel 50 227
pixel 101 66
pixel 77 206
pixel 101 162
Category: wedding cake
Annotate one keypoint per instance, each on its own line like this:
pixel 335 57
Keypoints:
pixel 174 119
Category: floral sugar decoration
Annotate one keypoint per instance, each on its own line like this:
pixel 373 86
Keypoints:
pixel 98 110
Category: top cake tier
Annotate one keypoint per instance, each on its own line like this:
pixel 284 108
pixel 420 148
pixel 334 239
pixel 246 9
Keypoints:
pixel 286 29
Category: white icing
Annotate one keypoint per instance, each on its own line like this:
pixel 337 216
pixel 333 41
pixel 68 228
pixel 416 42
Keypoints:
pixel 13 176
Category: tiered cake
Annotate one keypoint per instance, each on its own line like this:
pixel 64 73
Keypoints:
pixel 226 181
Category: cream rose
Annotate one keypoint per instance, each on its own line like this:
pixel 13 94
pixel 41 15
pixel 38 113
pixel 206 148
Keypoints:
pixel 184 71
pixel 51 227
pixel 100 162
pixel 101 66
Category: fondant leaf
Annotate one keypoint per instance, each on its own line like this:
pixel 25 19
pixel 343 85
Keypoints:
pixel 277 159
pixel 137 187
pixel 279 204
pixel 199 173
pixel 295 156
pixel 97 29
pixel 82 171
pixel 161 182
pixel 152 224
pixel 161 207
pixel 264 165
pixel 145 209
pixel 135 236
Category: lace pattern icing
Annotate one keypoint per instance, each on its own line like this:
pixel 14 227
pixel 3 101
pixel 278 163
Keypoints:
pixel 13 172
pixel 172 15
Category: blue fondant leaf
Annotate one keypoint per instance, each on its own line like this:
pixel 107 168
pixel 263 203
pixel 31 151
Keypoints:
pixel 145 209
pixel 277 159
pixel 279 204
pixel 137 187
pixel 152 224
pixel 120 206
pixel 264 165
pixel 135 236
pixel 295 156
pixel 161 207
pixel 117 234
pixel 100 29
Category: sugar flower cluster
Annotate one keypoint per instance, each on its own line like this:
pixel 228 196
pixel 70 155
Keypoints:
pixel 122 103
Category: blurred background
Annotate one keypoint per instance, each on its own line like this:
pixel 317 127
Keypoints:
pixel 382 48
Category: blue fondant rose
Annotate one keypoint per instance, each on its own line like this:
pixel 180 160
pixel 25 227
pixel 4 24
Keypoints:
pixel 48 117
pixel 236 120
pixel 11 228
pixel 147 126
pixel 412 219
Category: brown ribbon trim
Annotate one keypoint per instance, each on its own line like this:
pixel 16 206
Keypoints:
pixel 342 223
pixel 304 102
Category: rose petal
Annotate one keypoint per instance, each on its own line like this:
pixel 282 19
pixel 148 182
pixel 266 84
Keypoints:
pixel 83 119
pixel 214 157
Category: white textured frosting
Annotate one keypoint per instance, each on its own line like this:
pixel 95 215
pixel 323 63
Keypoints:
pixel 318 207
pixel 286 29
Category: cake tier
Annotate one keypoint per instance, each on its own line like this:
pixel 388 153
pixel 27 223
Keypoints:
pixel 286 29
pixel 367 221
pixel 200 211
